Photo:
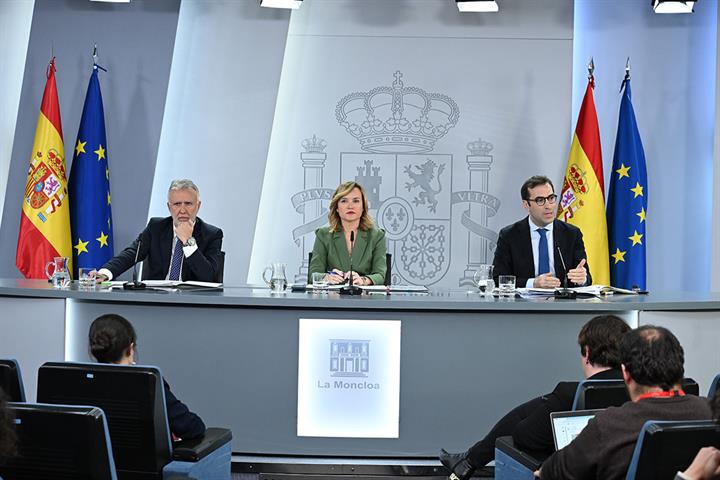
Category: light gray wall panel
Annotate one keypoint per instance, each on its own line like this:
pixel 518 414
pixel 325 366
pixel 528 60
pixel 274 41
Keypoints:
pixel 135 44
pixel 219 114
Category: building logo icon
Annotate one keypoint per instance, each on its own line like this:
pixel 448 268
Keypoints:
pixel 349 358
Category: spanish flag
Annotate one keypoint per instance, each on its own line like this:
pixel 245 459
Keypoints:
pixel 45 218
pixel 582 201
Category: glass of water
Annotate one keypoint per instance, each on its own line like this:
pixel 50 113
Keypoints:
pixel 506 285
pixel 319 281
pixel 85 280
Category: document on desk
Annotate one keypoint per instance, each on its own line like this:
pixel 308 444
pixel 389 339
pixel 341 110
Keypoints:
pixel 549 292
pixel 395 288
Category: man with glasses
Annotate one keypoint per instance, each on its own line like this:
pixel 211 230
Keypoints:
pixel 535 248
pixel 178 247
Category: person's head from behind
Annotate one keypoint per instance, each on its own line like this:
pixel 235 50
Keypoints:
pixel 112 339
pixel 599 341
pixel 652 358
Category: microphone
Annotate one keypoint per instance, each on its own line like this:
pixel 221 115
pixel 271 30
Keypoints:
pixel 564 293
pixel 135 284
pixel 351 289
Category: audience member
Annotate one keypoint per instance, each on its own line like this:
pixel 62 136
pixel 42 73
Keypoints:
pixel 529 423
pixel 706 465
pixel 113 340
pixel 653 368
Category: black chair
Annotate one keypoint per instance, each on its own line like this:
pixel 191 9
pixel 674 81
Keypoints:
pixel 11 380
pixel 713 386
pixel 388 268
pixel 219 275
pixel 596 394
pixel 60 441
pixel 664 448
pixel 133 398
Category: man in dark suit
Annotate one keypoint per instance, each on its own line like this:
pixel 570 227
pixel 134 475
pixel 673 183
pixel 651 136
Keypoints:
pixel 530 249
pixel 178 247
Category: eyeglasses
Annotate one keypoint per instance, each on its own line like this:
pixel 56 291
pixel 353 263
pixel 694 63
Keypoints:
pixel 551 199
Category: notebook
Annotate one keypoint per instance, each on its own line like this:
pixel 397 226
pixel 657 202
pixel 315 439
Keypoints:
pixel 568 425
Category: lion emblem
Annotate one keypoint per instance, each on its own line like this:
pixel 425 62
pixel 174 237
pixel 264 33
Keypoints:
pixel 422 176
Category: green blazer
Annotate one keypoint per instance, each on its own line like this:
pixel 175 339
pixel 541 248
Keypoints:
pixel 330 251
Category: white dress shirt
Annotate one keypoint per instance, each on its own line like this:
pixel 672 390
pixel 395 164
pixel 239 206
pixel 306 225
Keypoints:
pixel 535 242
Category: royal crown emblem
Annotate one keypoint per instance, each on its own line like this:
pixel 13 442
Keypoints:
pixel 397 119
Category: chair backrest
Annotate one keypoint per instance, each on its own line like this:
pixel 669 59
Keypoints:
pixel 133 399
pixel 666 447
pixel 595 394
pixel 713 386
pixel 11 380
pixel 60 442
pixel 388 268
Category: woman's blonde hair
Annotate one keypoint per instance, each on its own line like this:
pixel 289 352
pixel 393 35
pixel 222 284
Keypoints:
pixel 366 223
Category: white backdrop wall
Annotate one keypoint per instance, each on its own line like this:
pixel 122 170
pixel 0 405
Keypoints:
pixel 218 116
pixel 15 20
pixel 498 88
pixel 673 66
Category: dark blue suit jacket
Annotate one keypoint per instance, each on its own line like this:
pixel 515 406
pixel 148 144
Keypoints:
pixel 155 249
pixel 183 423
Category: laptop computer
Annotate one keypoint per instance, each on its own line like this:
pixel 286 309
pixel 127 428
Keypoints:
pixel 568 425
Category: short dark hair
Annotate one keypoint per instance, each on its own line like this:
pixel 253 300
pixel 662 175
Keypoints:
pixel 532 182
pixel 110 337
pixel 653 357
pixel 8 436
pixel 601 337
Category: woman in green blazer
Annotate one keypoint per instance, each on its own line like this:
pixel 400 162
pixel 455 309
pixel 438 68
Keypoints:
pixel 348 212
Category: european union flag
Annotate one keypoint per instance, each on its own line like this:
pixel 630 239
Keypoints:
pixel 89 186
pixel 627 201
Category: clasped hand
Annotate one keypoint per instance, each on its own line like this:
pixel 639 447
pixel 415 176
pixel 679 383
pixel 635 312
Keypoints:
pixel 336 276
pixel 184 230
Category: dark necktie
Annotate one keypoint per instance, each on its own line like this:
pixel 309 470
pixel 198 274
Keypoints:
pixel 543 258
pixel 176 261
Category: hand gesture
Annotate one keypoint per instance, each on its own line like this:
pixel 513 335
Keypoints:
pixel 546 280
pixel 578 275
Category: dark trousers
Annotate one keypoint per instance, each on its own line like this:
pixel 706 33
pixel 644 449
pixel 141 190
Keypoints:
pixel 484 451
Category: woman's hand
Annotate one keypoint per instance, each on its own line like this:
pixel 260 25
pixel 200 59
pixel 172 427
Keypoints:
pixel 335 276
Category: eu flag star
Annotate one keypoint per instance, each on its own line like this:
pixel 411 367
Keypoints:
pixel 80 147
pixel 108 198
pixel 638 190
pixel 636 238
pixel 623 171
pixel 100 153
pixel 102 239
pixel 619 256
pixel 81 246
pixel 641 214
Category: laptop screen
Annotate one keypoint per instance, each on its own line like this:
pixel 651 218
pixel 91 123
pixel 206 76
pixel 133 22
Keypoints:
pixel 568 425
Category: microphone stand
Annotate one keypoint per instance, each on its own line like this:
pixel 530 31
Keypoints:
pixel 135 284
pixel 564 293
pixel 351 289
